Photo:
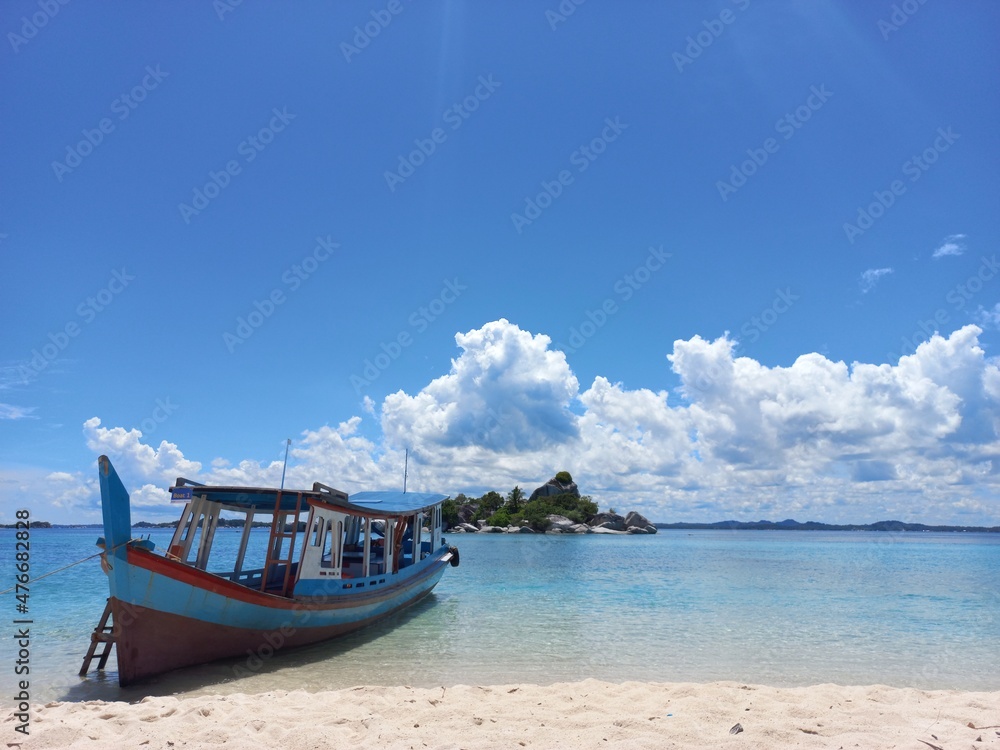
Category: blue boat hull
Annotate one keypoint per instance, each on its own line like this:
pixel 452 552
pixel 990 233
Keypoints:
pixel 172 623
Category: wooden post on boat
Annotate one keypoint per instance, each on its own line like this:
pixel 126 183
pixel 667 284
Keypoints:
pixel 279 532
pixel 103 634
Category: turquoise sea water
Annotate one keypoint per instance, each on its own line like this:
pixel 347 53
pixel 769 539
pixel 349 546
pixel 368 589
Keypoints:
pixel 778 608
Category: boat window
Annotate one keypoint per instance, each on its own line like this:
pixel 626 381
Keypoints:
pixel 318 528
pixel 331 549
pixel 194 535
pixel 353 531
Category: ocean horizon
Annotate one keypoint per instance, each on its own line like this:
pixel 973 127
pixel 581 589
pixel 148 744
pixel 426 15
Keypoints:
pixel 787 524
pixel 900 609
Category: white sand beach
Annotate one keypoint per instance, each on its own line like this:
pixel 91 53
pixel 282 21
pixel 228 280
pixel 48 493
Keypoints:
pixel 587 714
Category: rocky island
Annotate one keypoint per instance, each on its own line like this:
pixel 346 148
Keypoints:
pixel 555 507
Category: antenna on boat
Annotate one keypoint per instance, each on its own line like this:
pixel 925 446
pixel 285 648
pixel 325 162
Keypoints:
pixel 406 466
pixel 284 465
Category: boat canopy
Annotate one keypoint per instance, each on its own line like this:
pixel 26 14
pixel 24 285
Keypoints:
pixel 395 503
pixel 266 499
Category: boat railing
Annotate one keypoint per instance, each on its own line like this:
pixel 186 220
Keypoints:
pixel 327 490
pixel 253 579
pixel 249 578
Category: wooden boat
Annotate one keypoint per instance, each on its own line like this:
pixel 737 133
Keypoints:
pixel 333 563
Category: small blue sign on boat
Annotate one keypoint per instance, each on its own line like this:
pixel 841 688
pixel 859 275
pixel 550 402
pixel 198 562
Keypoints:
pixel 181 493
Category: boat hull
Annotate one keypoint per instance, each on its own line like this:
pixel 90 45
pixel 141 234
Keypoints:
pixel 162 622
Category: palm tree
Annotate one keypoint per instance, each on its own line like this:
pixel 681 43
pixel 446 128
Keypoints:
pixel 515 499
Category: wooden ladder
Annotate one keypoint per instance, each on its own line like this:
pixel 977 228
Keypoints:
pixel 103 635
pixel 278 533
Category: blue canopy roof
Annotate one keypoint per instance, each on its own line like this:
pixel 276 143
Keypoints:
pixel 263 499
pixel 395 502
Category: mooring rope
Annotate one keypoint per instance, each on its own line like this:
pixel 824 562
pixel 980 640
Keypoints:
pixel 67 567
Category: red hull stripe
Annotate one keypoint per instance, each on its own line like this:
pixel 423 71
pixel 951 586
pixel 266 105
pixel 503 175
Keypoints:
pixel 209 582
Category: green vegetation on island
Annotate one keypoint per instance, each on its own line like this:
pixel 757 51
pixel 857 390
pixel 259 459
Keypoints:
pixel 514 510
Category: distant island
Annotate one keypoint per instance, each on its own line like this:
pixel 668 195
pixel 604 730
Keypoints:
pixel 556 507
pixel 223 523
pixel 790 525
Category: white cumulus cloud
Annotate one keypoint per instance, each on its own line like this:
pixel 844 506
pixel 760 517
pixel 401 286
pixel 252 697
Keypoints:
pixel 817 439
pixel 507 391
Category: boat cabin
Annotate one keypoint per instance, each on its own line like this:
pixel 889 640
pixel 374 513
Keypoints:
pixel 320 543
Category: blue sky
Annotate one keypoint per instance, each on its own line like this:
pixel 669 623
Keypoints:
pixel 676 249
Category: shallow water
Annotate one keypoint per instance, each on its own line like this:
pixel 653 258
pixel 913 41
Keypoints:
pixel 779 608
